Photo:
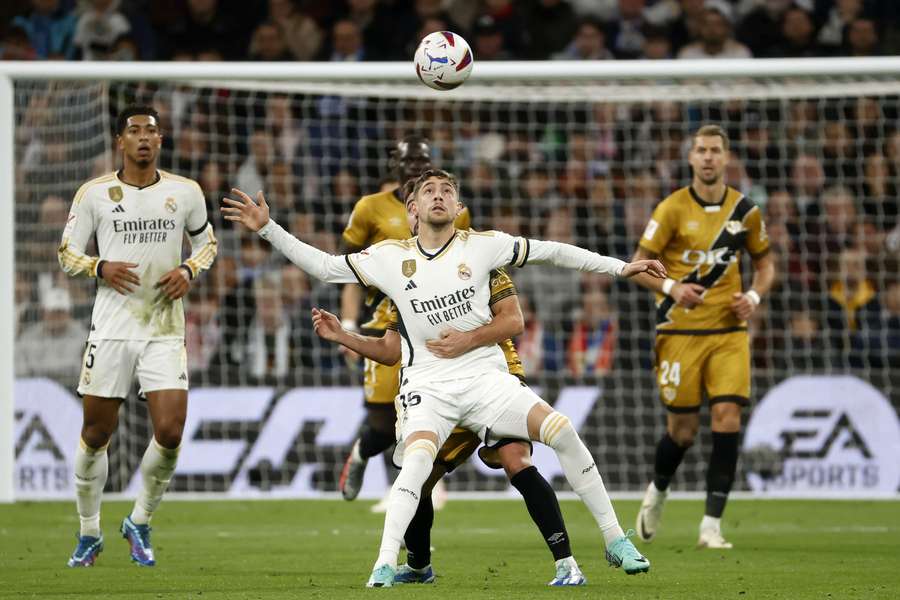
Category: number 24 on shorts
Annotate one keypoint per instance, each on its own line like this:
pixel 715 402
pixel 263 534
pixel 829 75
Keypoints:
pixel 669 373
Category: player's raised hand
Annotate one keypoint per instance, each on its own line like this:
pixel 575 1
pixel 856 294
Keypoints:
pixel 119 276
pixel 652 267
pixel 688 295
pixel 451 344
pixel 742 305
pixel 250 214
pixel 326 325
pixel 174 284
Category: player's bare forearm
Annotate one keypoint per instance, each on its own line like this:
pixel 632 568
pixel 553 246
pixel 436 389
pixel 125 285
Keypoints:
pixel 384 349
pixel 507 322
pixel 645 279
pixel 763 274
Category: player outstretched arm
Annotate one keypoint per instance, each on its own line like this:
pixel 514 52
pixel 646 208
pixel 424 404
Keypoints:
pixel 573 257
pixel 384 350
pixel 687 295
pixel 255 217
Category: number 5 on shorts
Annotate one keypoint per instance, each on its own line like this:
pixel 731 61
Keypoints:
pixel 408 401
pixel 89 355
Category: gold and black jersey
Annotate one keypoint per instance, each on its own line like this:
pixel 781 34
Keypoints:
pixel 699 242
pixel 501 287
pixel 376 218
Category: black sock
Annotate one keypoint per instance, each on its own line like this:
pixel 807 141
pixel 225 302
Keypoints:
pixel 720 474
pixel 373 442
pixel 418 535
pixel 544 510
pixel 668 457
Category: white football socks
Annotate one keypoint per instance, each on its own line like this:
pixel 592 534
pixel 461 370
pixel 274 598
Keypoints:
pixel 581 472
pixel 418 459
pixel 91 470
pixel 157 467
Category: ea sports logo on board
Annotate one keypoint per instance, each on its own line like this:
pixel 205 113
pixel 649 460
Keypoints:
pixel 835 435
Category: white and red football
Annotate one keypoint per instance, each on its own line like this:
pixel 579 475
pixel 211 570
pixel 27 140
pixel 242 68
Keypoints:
pixel 443 60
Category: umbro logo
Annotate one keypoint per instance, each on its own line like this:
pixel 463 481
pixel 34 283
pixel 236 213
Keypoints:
pixel 118 209
pixel 556 538
pixel 410 286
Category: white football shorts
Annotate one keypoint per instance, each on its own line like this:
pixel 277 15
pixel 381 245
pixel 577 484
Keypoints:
pixel 493 405
pixel 109 367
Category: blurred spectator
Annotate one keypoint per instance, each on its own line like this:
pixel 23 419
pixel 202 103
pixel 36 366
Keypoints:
pixel 808 179
pixel 840 15
pixel 202 330
pixel 839 153
pixel 804 343
pixel 346 42
pixel 799 36
pixel 251 176
pixel 268 43
pixel 207 27
pixel 538 197
pixel 281 191
pixel 50 29
pixel 300 32
pixel 26 312
pixel 54 345
pixel 657 44
pixel 268 349
pixel 625 34
pixel 862 38
pixel 852 306
pixel 880 201
pixel 100 25
pixel 508 17
pixel 686 26
pixel 488 40
pixel 716 40
pixel 550 25
pixel 374 19
pixel 589 43
pixel 592 341
pixel 15 45
pixel 125 49
pixel 831 231
pixel 761 29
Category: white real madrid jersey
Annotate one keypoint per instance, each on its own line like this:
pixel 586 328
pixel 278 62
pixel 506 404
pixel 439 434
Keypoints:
pixel 145 226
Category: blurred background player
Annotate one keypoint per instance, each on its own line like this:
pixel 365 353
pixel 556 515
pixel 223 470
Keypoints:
pixel 375 218
pixel 140 216
pixel 702 345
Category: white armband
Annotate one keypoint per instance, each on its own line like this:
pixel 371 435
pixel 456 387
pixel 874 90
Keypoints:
pixel 349 325
pixel 753 296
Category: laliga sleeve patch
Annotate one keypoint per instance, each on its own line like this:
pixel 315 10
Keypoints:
pixel 650 231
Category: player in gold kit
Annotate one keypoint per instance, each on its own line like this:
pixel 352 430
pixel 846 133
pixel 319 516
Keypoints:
pixel 702 345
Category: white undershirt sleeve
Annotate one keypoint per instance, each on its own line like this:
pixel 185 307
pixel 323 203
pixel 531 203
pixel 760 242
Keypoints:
pixel 321 265
pixel 572 257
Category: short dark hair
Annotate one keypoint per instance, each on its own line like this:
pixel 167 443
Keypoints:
pixel 131 111
pixel 711 131
pixel 440 174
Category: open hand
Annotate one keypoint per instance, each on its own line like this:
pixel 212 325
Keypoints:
pixel 326 325
pixel 119 276
pixel 652 267
pixel 451 344
pixel 245 211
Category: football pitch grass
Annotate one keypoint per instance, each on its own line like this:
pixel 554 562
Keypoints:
pixel 484 549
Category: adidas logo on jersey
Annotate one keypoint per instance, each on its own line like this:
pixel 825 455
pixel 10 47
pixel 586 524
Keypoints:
pixel 118 209
pixel 183 377
pixel 410 286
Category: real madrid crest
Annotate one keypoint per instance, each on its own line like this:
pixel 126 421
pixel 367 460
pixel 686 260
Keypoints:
pixel 171 205
pixel 463 271
pixel 734 227
pixel 409 267
pixel 115 193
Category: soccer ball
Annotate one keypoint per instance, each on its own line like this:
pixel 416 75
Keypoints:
pixel 443 60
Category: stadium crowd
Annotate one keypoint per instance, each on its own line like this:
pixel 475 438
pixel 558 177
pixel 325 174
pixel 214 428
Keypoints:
pixel 825 172
pixel 361 30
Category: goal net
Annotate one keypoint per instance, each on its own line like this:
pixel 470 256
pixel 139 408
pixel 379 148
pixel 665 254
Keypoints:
pixel 274 410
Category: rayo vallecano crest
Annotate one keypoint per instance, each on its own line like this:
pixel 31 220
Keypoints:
pixel 409 267
pixel 734 227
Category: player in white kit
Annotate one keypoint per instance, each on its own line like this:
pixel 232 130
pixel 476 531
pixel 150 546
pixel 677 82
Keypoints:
pixel 440 280
pixel 139 215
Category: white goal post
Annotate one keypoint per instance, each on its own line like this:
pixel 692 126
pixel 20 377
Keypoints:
pixel 502 81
